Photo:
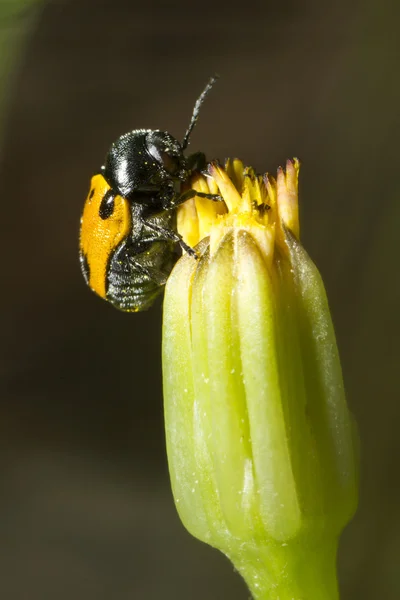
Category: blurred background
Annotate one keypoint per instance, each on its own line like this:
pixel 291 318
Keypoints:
pixel 85 504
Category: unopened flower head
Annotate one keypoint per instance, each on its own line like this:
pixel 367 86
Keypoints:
pixel 259 436
pixel 250 204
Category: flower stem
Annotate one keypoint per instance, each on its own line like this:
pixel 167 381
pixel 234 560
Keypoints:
pixel 289 572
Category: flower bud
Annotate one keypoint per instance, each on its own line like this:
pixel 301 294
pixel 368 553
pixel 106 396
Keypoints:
pixel 259 437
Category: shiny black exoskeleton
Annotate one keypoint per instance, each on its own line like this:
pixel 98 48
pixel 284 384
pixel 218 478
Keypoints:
pixel 146 168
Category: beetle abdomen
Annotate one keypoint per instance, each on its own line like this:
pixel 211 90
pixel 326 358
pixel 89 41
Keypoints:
pixel 134 279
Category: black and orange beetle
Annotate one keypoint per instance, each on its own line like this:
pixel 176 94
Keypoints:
pixel 128 241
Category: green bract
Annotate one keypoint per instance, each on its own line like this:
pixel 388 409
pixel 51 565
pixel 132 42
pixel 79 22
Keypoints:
pixel 259 436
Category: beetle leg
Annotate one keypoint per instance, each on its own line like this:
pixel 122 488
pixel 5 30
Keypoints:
pixel 169 234
pixel 188 194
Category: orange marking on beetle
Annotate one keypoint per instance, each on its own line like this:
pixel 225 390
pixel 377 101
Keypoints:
pixel 100 237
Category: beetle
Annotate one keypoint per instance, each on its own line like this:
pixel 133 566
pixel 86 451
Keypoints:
pixel 128 239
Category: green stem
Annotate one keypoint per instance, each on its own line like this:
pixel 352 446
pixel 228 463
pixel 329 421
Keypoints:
pixel 289 572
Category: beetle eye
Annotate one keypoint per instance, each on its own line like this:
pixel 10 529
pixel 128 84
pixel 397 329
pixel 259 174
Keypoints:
pixel 170 163
pixel 167 151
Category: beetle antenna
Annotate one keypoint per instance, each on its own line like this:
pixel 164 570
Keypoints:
pixel 196 110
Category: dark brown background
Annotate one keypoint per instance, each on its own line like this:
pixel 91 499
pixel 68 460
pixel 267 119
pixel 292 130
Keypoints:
pixel 85 506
